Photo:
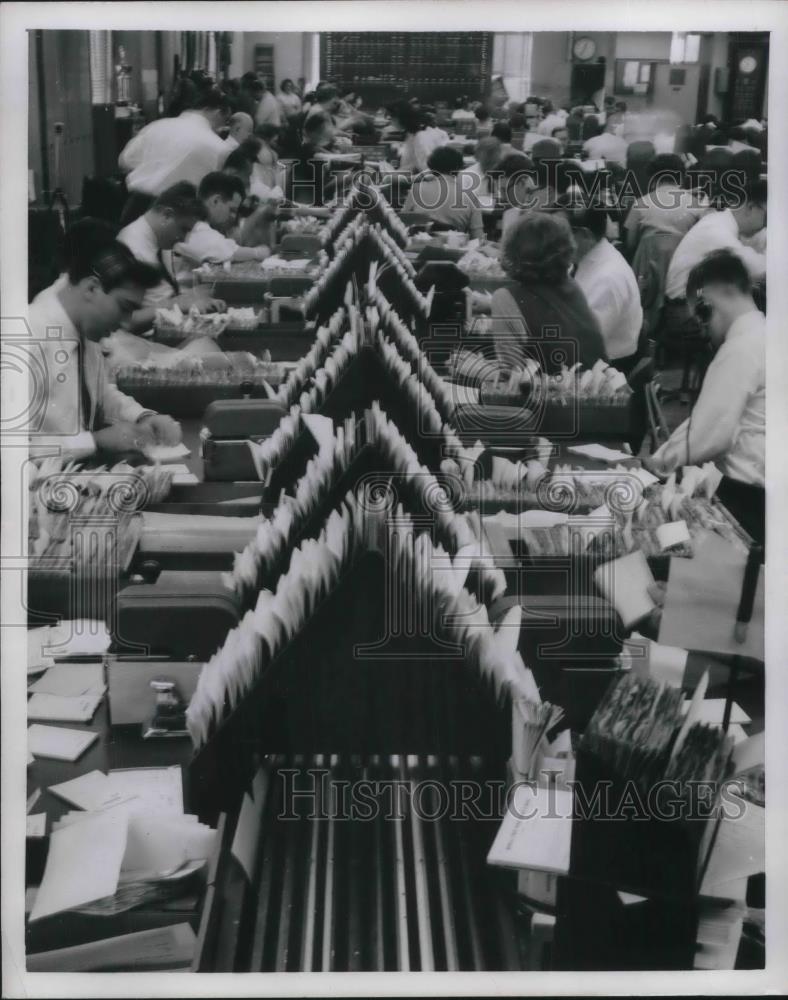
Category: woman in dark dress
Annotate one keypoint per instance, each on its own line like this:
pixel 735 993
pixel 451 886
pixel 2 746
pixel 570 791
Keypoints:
pixel 542 313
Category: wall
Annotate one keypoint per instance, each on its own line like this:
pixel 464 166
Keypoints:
pixel 551 65
pixel 512 60
pixel 293 52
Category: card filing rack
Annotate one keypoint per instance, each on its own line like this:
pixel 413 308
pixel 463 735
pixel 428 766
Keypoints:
pixel 367 462
pixel 189 398
pixel 417 697
pixel 410 894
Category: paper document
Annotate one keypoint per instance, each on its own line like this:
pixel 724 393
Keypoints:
pixel 161 843
pixel 599 451
pixel 158 789
pixel 58 743
pixel 71 679
pixel 163 453
pixel 536 831
pixel 82 866
pixel 54 708
pixel 82 637
pixel 160 949
pixel 625 583
pixel 740 846
pixel 91 791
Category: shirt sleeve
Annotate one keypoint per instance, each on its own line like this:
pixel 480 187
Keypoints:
pixel 132 153
pixel 72 447
pixel 476 226
pixel 715 419
pixel 207 245
pixel 116 407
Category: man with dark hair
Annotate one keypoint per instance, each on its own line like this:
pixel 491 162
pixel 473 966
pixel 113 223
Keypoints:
pixel 667 207
pixel 728 422
pixel 503 132
pixel 718 231
pixel 606 279
pixel 220 195
pixel 85 413
pixel 308 181
pixel 169 150
pixel 151 237
pixel 241 127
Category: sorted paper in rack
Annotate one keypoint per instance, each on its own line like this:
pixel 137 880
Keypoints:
pixel 36 826
pixel 672 533
pixel 83 864
pixel 321 428
pixel 71 680
pixel 55 708
pixel 712 710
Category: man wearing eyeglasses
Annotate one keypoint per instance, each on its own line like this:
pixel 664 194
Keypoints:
pixel 84 413
pixel 728 422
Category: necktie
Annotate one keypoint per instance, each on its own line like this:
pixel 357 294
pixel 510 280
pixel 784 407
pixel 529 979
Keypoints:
pixel 166 274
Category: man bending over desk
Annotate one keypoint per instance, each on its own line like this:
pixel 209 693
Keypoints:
pixel 84 412
pixel 728 422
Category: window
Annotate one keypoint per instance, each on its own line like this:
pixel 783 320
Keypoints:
pixel 101 68
pixel 684 47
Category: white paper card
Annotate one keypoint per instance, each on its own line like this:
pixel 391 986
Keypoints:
pixel 71 679
pixel 82 866
pixel 156 789
pixel 159 949
pixel 57 743
pixel 536 831
pixel 54 708
pixel 711 711
pixel 89 791
pixel 163 453
pixel 625 583
pixel 672 533
pixel 36 825
pixel 667 664
pixel 599 451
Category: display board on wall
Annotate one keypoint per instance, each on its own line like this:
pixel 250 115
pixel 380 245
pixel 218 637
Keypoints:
pixel 440 66
pixel 264 63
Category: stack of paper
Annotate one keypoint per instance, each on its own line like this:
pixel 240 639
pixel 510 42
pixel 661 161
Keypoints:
pixel 536 831
pixel 58 743
pixel 73 638
pixel 128 841
pixel 159 950
pixel 67 693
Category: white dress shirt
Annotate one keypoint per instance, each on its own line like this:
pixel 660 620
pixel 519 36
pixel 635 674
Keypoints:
pixel 141 240
pixel 204 244
pixel 715 231
pixel 269 111
pixel 170 150
pixel 553 121
pixel 290 103
pixel 62 426
pixel 728 422
pixel 416 149
pixel 611 289
pixel 606 147
pixel 230 145
pixel 668 209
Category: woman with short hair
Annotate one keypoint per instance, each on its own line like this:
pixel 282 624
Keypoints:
pixel 543 313
pixel 442 197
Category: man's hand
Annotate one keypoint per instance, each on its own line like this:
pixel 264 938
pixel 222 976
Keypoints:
pixel 202 300
pixel 660 463
pixel 124 438
pixel 163 429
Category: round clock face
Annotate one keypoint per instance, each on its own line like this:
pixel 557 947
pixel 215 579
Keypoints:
pixel 584 48
pixel 748 64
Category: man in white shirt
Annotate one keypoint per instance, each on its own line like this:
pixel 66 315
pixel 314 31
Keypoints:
pixel 289 99
pixel 241 126
pixel 269 111
pixel 607 145
pixel 150 238
pixel 717 231
pixel 84 412
pixel 169 150
pixel 551 121
pixel 607 281
pixel 207 242
pixel 728 422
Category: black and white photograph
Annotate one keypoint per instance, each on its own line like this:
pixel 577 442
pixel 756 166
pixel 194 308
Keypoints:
pixel 390 525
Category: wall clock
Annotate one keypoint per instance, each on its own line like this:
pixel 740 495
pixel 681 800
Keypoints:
pixel 748 64
pixel 584 48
